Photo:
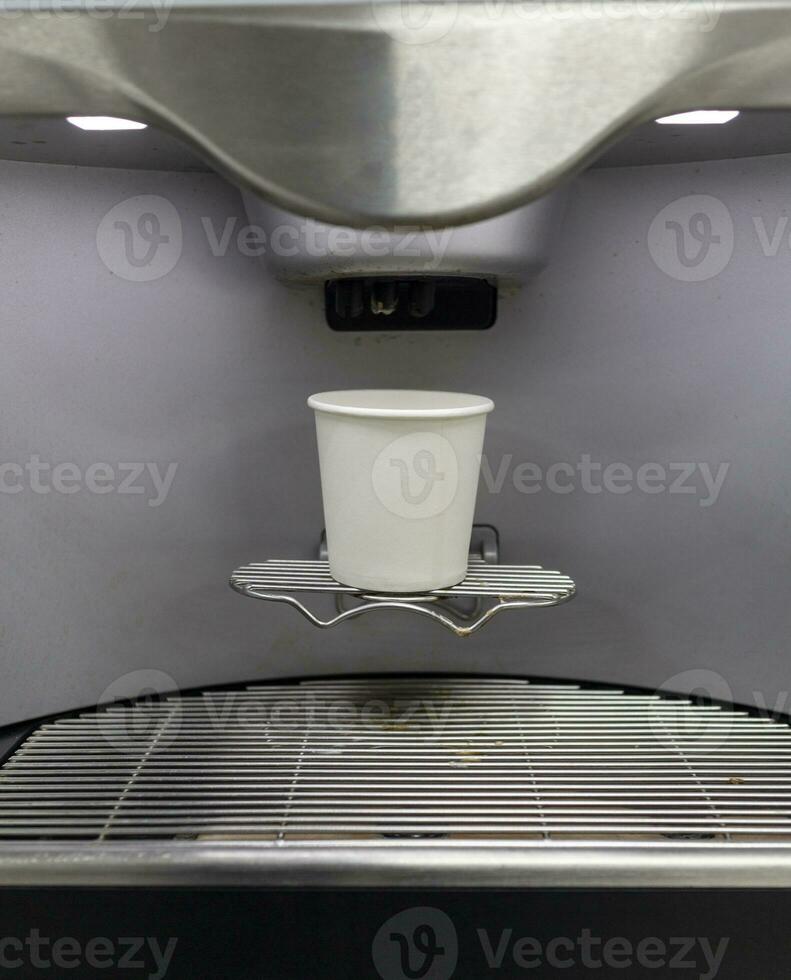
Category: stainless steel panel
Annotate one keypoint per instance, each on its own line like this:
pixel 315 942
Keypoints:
pixel 352 114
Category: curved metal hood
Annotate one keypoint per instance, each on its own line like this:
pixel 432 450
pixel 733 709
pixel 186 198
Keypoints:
pixel 369 112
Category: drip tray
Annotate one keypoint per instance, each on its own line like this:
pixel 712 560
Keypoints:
pixel 396 779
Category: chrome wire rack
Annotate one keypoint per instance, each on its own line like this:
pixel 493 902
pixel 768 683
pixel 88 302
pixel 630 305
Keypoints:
pixel 464 608
pixel 376 781
pixel 399 759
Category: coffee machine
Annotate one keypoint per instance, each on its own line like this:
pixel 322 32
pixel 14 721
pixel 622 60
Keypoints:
pixel 577 755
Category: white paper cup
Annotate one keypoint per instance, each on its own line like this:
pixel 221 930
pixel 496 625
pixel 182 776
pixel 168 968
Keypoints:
pixel 399 477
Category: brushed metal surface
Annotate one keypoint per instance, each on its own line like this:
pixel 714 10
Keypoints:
pixel 555 864
pixel 350 114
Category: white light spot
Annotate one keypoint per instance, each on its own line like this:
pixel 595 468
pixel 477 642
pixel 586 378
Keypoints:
pixel 104 123
pixel 700 117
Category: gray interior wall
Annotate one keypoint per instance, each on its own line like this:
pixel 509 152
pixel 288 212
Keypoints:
pixel 209 366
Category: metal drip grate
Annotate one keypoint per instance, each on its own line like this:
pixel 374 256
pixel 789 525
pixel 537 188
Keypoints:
pixel 400 759
pixel 503 586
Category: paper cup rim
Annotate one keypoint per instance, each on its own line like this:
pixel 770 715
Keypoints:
pixel 400 403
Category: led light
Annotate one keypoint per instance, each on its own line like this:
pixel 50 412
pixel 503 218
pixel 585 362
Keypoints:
pixel 104 122
pixel 701 117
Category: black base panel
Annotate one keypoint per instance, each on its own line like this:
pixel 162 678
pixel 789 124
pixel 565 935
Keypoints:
pixel 436 935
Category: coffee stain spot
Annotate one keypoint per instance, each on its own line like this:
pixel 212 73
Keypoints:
pixel 117 580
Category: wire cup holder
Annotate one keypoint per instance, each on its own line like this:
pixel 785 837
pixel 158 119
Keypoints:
pixel 487 590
